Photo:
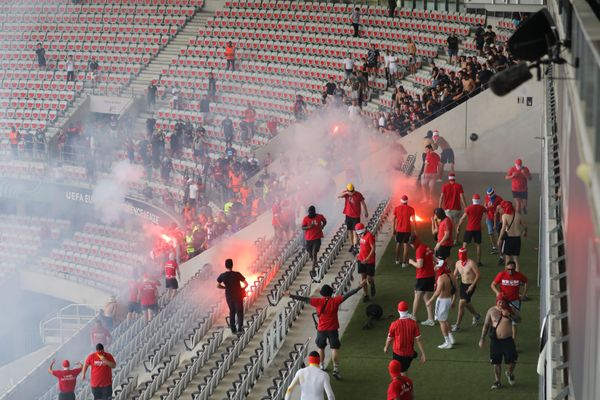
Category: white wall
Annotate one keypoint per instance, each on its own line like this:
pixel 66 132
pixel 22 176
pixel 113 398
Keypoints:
pixel 62 288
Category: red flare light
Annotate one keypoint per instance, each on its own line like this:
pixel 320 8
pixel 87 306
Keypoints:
pixel 418 219
pixel 168 239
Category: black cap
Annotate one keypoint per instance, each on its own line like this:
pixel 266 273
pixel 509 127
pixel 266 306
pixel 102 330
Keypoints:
pixel 412 239
pixel 229 263
pixel 326 291
pixel 99 347
pixel 440 213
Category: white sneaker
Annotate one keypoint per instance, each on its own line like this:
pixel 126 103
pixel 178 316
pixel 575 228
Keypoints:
pixel 404 265
pixel 398 262
pixel 445 346
pixel 476 320
pixel 428 322
pixel 451 338
pixel 455 328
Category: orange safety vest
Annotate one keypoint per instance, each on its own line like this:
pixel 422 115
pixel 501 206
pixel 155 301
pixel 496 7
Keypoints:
pixel 229 53
pixel 244 192
pixel 236 181
pixel 255 206
pixel 13 137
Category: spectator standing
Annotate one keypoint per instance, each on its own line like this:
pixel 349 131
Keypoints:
pixel 366 260
pixel 93 68
pixel 489 36
pixel 300 108
pixel 212 86
pixel 404 225
pixel 469 276
pixel 227 125
pixel 348 67
pixel 354 202
pixel 401 387
pixel 391 8
pixel 109 312
pixel 313 225
pixel 327 328
pixel 509 238
pixel 452 43
pixel 498 322
pixel 230 56
pixel 355 18
pixel 447 155
pixel 99 334
pixel 14 137
pixel 508 283
pixel 313 381
pixel 373 60
pixel 40 144
pixel 519 174
pixel 479 39
pixel 452 199
pixel 148 294
pixel 425 278
pixel 443 228
pixel 67 379
pixel 445 288
pixel 133 304
pixel 393 67
pixel 70 65
pixel 101 365
pixel 473 215
pixel 235 286
pixel 171 275
pixel 250 120
pixel 330 86
pixel 40 53
pixel 411 49
pixel 403 333
pixel 151 95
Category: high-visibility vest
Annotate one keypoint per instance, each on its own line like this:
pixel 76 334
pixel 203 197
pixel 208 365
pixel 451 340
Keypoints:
pixel 13 137
pixel 189 240
pixel 229 53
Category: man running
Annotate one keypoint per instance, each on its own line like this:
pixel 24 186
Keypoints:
pixel 171 275
pixel 445 288
pixel 354 202
pixel 492 221
pixel 430 173
pixel 404 332
pixel 442 227
pixel 425 276
pixel 452 199
pixel 447 156
pixel 498 322
pixel 513 227
pixel 519 175
pixel 401 387
pixel 313 381
pixel 234 284
pixel 366 260
pixel 67 379
pixel 511 281
pixel 404 225
pixel 328 325
pixel 473 215
pixel 313 225
pixel 469 277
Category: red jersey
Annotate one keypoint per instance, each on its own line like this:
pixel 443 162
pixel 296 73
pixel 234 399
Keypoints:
pixel 445 226
pixel 432 160
pixel 327 310
pixel 67 379
pixel 367 242
pixel 474 214
pixel 171 269
pixel 148 293
pixel 276 213
pixel 426 254
pixel 520 177
pixel 403 213
pixel 100 334
pixel 353 204
pixel 400 388
pixel 101 374
pixel 509 284
pixel 491 206
pixel 404 331
pixel 134 288
pixel 316 224
pixel 452 192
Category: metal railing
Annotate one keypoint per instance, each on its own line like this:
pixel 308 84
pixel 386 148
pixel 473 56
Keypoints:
pixel 294 363
pixel 67 321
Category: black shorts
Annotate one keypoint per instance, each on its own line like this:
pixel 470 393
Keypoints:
pixel 520 195
pixel 463 292
pixel 472 236
pixel 479 45
pixel 402 237
pixel 443 252
pixel 66 396
pixel 153 307
pixel 313 246
pixel 332 336
pixel 503 348
pixel 104 392
pixel 404 360
pixel 133 307
pixel 351 222
pixel 425 284
pixel 447 156
pixel 511 245
pixel 367 269
pixel 171 283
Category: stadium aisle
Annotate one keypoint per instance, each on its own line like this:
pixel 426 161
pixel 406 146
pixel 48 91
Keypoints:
pixel 463 372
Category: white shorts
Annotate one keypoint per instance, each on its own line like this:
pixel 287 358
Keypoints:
pixel 454 215
pixel 393 69
pixel 442 309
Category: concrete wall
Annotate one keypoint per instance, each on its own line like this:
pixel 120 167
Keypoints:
pixel 61 288
pixel 507 130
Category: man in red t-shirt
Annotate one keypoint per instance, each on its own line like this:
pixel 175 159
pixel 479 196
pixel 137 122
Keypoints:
pixel 148 297
pixel 430 173
pixel 511 281
pixel 404 332
pixel 133 299
pixel 473 215
pixel 366 259
pixel 519 175
pixel 405 224
pixel 353 203
pixel 328 325
pixel 171 275
pixel 442 227
pixel 492 220
pixel 99 334
pixel 67 379
pixel 452 199
pixel 313 225
pixel 101 364
pixel 401 387
pixel 425 276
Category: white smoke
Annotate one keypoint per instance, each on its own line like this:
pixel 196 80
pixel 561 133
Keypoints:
pixel 109 193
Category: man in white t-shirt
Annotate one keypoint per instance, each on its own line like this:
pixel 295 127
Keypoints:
pixel 392 61
pixel 193 193
pixel 313 381
pixel 354 110
pixel 348 66
pixel 70 69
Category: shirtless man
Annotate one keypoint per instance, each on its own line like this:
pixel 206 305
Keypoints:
pixel 447 155
pixel 427 141
pixel 509 238
pixel 469 276
pixel 499 319
pixel 445 287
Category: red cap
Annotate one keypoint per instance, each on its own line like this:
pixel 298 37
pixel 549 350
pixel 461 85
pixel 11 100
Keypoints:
pixel 66 364
pixel 395 368
pixel 314 359
pixel 359 228
pixel 518 161
pixel 404 199
pixel 451 176
pixel 476 197
pixel 402 306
